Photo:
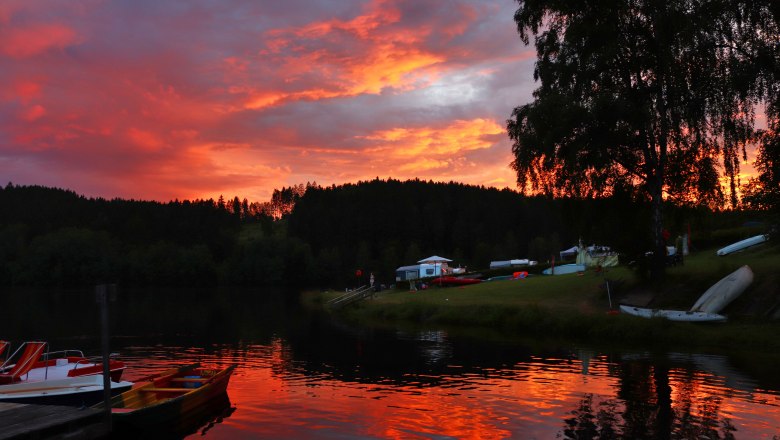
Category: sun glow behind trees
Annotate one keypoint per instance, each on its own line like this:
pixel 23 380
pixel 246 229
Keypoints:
pixel 643 96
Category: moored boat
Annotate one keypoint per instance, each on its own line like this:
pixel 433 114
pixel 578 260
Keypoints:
pixel 32 363
pixel 722 293
pixel 73 391
pixel 169 398
pixel 672 315
pixel 33 375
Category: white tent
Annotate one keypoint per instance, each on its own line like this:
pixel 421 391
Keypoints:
pixel 435 259
pixel 572 251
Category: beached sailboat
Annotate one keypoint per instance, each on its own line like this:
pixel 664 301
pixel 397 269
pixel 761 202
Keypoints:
pixel 672 315
pixel 722 293
pixel 743 244
pixel 564 269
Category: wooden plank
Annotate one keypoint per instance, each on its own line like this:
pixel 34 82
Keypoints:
pixel 191 379
pixel 44 421
pixel 166 390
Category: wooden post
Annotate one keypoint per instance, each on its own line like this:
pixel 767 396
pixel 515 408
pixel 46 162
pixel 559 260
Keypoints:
pixel 103 294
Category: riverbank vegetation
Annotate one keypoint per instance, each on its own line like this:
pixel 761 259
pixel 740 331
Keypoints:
pixel 578 306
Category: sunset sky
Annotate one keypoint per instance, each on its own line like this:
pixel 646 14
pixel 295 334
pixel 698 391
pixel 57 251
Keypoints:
pixel 151 99
pixel 198 98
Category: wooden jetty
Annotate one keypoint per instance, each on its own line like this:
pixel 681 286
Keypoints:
pixel 22 421
pixel 358 294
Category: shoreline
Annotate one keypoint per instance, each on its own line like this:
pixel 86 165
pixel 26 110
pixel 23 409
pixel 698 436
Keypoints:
pixel 576 307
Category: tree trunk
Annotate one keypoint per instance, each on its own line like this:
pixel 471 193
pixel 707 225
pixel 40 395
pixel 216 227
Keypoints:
pixel 658 262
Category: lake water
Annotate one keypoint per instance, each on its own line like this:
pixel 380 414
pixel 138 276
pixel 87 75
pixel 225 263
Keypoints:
pixel 301 375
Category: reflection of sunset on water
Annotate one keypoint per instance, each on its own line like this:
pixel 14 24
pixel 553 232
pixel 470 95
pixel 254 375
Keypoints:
pixel 278 395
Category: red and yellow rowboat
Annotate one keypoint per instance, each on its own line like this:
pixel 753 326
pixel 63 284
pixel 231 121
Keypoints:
pixel 169 401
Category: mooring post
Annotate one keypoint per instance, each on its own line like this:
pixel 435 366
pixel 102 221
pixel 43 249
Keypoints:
pixel 105 293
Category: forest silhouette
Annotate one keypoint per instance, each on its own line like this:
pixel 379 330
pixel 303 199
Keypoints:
pixel 310 236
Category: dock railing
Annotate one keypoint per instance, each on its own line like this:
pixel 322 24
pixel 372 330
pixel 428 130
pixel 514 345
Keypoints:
pixel 356 295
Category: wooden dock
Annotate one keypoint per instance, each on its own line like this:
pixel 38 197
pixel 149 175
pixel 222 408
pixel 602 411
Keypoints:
pixel 350 297
pixel 21 421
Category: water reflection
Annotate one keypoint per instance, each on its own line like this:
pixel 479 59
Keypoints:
pixel 283 392
pixel 303 376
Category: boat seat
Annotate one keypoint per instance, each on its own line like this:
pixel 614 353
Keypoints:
pixel 3 346
pixel 191 379
pixel 166 390
pixel 32 352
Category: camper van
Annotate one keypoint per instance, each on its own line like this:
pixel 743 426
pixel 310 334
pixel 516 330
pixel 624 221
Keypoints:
pixel 406 273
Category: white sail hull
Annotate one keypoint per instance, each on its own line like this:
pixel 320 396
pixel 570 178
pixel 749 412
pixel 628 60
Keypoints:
pixel 722 293
pixel 564 269
pixel 672 315
pixel 738 246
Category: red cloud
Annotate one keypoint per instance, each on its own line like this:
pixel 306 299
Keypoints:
pixel 22 42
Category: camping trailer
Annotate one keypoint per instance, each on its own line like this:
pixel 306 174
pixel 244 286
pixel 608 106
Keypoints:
pixel 405 273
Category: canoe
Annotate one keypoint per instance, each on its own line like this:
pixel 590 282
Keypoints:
pixel 564 269
pixel 672 315
pixel 161 404
pixel 454 281
pixel 73 391
pixel 722 293
pixel 738 246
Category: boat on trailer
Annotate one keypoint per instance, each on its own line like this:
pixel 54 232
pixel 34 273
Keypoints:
pixel 672 315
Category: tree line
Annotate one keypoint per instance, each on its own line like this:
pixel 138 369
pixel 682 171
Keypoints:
pixel 657 97
pixel 313 236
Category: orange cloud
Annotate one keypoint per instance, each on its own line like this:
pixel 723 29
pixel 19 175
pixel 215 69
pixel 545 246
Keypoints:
pixel 450 141
pixel 35 39
pixel 316 64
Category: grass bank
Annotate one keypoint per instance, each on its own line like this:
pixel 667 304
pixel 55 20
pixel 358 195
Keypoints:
pixel 578 306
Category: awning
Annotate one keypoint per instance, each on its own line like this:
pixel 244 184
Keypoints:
pixel 435 259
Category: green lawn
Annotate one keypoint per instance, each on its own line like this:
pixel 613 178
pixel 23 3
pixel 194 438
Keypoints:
pixel 577 306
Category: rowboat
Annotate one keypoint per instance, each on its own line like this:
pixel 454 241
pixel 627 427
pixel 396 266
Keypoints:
pixel 672 315
pixel 722 293
pixel 163 403
pixel 564 269
pixel 73 391
pixel 738 246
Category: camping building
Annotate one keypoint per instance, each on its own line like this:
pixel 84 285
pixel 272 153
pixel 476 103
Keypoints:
pixel 406 273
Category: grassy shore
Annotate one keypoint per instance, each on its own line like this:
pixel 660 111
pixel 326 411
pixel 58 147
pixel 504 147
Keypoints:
pixel 578 306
